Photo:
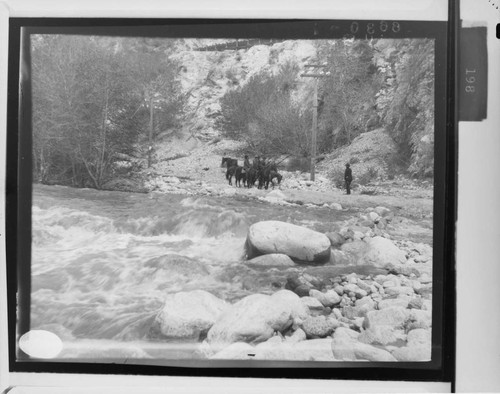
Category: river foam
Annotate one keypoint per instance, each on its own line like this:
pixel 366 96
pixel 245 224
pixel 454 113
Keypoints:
pixel 92 274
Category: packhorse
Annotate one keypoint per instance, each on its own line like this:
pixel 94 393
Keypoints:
pixel 267 175
pixel 233 169
pixel 273 175
pixel 241 175
pixel 251 176
pixel 264 174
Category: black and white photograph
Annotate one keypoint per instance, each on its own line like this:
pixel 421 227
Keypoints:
pixel 267 199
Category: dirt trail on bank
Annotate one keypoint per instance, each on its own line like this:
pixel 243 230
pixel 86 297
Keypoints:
pixel 193 167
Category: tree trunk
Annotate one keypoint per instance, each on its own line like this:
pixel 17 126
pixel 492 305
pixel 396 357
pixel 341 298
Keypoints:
pixel 42 169
pixel 151 123
pixel 95 180
pixel 101 165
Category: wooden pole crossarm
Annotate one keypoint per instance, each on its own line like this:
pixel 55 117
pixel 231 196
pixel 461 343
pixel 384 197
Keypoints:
pixel 315 75
pixel 317 71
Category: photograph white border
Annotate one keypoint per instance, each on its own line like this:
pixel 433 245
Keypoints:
pixel 316 9
pixel 478 237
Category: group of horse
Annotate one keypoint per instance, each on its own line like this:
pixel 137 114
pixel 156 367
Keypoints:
pixel 263 174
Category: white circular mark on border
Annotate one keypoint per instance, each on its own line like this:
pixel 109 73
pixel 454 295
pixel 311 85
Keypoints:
pixel 40 344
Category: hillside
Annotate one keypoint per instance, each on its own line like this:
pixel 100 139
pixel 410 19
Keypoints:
pixel 371 155
pixel 174 107
pixel 206 76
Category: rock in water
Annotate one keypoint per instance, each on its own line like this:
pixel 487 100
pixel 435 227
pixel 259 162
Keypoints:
pixel 336 239
pixel 256 318
pixel 271 260
pixel 299 243
pixel 188 315
pixel 301 284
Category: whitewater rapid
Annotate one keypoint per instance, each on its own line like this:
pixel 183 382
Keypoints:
pixel 103 262
pixel 90 273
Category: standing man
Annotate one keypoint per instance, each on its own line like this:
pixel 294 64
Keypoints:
pixel 256 163
pixel 348 178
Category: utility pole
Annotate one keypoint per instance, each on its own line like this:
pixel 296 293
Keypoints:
pixel 315 71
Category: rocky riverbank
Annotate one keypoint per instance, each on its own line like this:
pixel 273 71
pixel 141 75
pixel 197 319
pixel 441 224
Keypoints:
pixel 379 309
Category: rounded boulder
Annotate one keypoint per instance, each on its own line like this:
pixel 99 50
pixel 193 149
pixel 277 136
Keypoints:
pixel 256 318
pixel 382 251
pixel 188 315
pixel 299 243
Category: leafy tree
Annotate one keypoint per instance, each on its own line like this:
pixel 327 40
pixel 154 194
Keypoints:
pixel 88 94
pixel 155 78
pixel 263 113
pixel 347 92
pixel 406 100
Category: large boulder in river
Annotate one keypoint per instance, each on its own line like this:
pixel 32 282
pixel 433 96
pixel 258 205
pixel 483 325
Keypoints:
pixel 188 315
pixel 299 243
pixel 256 318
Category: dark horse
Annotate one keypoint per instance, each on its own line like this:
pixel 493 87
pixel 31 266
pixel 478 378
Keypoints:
pixel 267 174
pixel 241 174
pixel 274 175
pixel 252 175
pixel 233 169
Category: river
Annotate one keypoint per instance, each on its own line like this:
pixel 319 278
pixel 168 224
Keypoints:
pixel 94 273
